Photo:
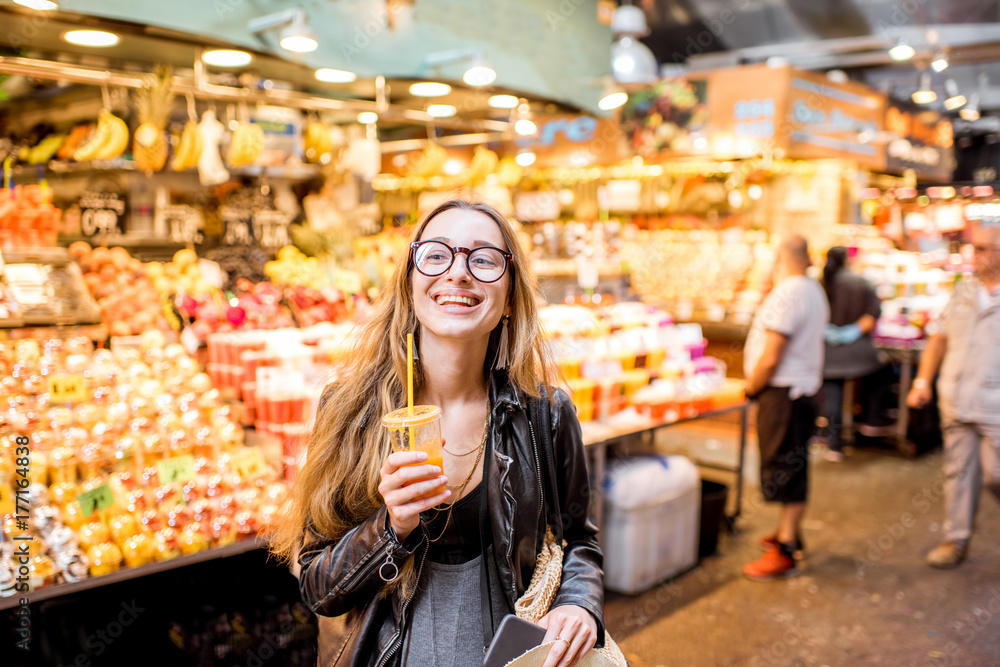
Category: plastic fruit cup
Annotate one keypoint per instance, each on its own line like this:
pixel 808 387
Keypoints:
pixel 417 431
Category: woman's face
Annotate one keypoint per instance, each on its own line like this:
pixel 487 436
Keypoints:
pixel 442 303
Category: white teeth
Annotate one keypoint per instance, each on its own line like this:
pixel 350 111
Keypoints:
pixel 451 298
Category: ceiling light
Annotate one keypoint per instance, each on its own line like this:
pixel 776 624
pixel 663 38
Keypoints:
pixel 633 62
pixel 612 100
pixel 971 110
pixel 902 51
pixel 441 110
pixel 452 167
pixel 328 75
pixel 429 89
pixel 298 37
pixel 954 99
pixel 96 38
pixel 503 101
pixel 40 5
pixel 525 127
pixel 480 74
pixel 629 20
pixel 367 117
pixel 525 159
pixel 924 94
pixel 226 58
pixel 940 63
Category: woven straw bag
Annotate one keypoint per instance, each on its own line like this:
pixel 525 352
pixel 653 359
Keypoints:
pixel 538 598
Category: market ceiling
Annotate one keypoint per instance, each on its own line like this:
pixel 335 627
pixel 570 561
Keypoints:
pixel 853 35
pixel 539 49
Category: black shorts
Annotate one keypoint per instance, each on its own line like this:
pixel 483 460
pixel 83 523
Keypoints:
pixel 784 428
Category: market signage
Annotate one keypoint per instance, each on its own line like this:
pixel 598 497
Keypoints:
pixel 924 142
pixel 575 141
pixel 830 120
pixel 102 213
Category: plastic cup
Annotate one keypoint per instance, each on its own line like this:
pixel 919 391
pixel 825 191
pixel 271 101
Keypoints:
pixel 417 431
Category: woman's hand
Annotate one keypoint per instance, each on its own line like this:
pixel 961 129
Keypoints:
pixel 402 492
pixel 575 632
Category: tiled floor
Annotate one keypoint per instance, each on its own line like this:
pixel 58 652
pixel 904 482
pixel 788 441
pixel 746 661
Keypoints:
pixel 865 596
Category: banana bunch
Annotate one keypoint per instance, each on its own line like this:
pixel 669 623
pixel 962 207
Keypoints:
pixel 108 140
pixel 76 137
pixel 430 161
pixel 317 141
pixel 484 162
pixel 509 172
pixel 189 149
pixel 246 145
pixel 45 149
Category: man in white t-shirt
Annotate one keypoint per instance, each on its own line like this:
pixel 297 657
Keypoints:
pixel 783 363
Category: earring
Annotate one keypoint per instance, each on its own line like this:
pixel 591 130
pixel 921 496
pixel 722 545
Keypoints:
pixel 503 344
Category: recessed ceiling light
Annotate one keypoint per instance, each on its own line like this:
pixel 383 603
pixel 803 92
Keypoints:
pixel 441 110
pixel 429 89
pixel 329 75
pixel 226 58
pixel 40 5
pixel 95 38
pixel 367 117
pixel 525 127
pixel 503 101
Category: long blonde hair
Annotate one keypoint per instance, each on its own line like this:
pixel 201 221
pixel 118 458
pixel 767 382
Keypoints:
pixel 337 488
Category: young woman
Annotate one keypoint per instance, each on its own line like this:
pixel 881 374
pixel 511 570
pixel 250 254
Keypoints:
pixel 464 542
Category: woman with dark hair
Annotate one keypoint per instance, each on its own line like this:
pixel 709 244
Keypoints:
pixel 409 564
pixel 850 352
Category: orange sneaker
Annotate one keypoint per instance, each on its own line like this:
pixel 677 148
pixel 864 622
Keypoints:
pixel 771 541
pixel 772 565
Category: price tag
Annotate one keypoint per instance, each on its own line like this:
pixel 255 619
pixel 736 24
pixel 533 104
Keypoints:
pixel 249 463
pixel 96 500
pixel 238 225
pixel 271 227
pixel 67 388
pixel 184 223
pixel 101 213
pixel 176 469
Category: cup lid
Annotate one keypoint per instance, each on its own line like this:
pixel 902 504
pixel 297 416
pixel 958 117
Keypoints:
pixel 422 414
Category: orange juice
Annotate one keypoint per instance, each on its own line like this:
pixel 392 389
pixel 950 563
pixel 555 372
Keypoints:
pixel 417 430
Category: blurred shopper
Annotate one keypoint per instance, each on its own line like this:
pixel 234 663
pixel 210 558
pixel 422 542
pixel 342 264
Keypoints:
pixel 968 344
pixel 850 352
pixel 783 362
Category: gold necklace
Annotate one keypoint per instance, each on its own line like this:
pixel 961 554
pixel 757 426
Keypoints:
pixel 451 506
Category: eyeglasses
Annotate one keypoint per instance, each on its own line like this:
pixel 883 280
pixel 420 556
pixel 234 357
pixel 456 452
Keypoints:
pixel 433 258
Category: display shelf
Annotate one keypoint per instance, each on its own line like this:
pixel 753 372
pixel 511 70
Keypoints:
pixel 48 289
pixel 123 241
pixel 299 172
pixel 17 329
pixel 135 572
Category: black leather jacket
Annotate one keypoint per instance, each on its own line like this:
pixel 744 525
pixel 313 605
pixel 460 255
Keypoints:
pixel 340 578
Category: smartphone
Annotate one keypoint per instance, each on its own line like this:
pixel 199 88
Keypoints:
pixel 514 638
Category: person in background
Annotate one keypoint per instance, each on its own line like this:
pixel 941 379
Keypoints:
pixel 966 348
pixel 783 362
pixel 850 352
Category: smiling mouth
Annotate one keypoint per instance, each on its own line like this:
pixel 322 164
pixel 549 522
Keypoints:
pixel 452 300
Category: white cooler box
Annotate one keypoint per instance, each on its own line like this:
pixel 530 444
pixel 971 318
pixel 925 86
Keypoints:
pixel 652 508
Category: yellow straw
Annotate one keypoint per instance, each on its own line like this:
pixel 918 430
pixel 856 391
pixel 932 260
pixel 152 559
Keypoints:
pixel 409 386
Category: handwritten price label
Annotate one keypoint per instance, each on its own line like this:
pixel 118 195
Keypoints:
pixel 96 500
pixel 67 389
pixel 250 464
pixel 177 469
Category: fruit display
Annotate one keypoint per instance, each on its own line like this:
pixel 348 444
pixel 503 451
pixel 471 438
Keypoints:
pixel 129 301
pixel 484 162
pixel 239 262
pixel 258 307
pixel 317 141
pixel 292 267
pixel 105 142
pixel 311 306
pixel 246 145
pixel 189 148
pixel 163 466
pixel 154 101
pixel 27 217
pixel 211 170
pixel 181 275
pixel 75 138
pixel 46 148
pixel 429 162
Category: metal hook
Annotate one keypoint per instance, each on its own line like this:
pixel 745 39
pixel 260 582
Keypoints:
pixel 105 96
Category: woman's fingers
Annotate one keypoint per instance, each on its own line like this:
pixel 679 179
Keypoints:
pixel 397 460
pixel 412 492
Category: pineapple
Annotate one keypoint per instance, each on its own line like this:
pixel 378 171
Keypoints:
pixel 154 102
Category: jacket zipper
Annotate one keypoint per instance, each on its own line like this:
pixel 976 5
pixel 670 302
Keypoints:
pixel 541 496
pixel 361 574
pixel 397 640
